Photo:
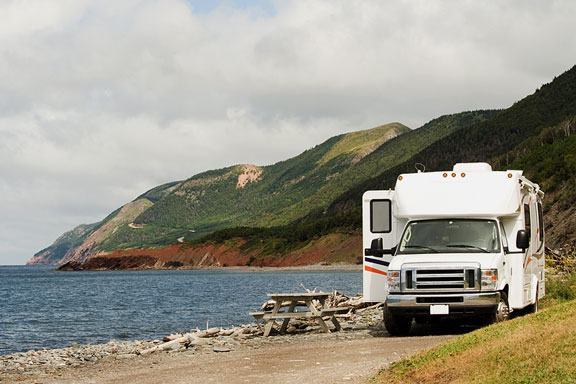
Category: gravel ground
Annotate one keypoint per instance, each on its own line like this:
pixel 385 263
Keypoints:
pixel 237 355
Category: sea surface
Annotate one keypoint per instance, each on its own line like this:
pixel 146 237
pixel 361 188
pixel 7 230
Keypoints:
pixel 43 308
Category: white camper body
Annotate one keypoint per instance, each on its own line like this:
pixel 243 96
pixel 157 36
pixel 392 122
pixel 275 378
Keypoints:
pixel 465 242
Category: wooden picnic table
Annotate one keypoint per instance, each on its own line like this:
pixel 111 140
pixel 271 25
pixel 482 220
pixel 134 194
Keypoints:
pixel 294 300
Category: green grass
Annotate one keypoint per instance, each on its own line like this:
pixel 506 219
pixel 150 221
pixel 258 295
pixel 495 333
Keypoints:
pixel 562 288
pixel 362 141
pixel 560 279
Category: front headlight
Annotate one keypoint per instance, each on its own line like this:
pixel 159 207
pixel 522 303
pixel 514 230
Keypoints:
pixel 393 281
pixel 489 279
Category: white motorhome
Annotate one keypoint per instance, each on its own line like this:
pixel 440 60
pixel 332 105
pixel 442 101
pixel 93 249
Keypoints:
pixel 465 242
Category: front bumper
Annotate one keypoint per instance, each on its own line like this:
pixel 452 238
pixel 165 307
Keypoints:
pixel 460 304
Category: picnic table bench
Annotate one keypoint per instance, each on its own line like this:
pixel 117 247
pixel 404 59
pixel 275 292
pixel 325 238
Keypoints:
pixel 294 300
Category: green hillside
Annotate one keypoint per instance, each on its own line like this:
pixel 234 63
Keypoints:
pixel 74 241
pixel 67 241
pixel 217 199
pixel 550 158
pixel 387 156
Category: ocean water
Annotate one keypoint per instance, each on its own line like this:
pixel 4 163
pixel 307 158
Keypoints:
pixel 40 307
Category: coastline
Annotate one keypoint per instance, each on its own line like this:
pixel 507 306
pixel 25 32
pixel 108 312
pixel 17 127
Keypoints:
pixel 140 305
pixel 52 362
pixel 309 267
pixel 354 354
pixel 351 305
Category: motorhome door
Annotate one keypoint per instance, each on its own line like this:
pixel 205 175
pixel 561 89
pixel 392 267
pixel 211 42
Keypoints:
pixel 380 234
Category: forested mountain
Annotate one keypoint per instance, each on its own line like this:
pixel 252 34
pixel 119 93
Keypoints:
pixel 319 192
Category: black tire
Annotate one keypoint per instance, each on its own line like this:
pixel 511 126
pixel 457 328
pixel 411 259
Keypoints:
pixel 533 308
pixel 502 311
pixel 396 325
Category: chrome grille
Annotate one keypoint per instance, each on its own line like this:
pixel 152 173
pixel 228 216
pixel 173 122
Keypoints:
pixel 441 278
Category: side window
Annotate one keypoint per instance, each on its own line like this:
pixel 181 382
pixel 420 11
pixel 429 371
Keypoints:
pixel 527 219
pixel 503 236
pixel 540 222
pixel 380 216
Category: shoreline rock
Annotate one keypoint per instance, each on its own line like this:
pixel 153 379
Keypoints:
pixel 75 266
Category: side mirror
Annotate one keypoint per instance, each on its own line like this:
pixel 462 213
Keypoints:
pixel 377 249
pixel 522 239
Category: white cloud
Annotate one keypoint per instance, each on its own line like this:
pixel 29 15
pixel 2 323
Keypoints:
pixel 101 100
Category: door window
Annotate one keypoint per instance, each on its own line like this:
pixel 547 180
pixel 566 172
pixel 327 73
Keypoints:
pixel 527 225
pixel 380 216
pixel 540 223
pixel 503 236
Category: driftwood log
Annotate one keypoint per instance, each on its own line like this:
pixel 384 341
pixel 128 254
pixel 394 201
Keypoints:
pixel 335 300
pixel 175 341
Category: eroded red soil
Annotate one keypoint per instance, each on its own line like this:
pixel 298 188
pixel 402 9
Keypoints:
pixel 328 250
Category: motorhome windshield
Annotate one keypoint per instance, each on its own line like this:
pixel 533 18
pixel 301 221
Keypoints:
pixel 450 236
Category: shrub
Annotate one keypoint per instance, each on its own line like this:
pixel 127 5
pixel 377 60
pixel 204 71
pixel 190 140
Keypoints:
pixel 561 276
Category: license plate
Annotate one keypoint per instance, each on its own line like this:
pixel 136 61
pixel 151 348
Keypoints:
pixel 439 309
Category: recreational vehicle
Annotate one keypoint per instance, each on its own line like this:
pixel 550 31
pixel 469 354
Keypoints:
pixel 468 242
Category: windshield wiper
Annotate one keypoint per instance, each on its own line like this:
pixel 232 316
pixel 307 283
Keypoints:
pixel 421 247
pixel 466 246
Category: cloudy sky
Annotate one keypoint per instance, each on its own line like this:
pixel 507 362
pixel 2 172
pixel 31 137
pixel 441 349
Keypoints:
pixel 101 100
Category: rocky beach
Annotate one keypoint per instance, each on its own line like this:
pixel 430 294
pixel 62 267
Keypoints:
pixel 216 339
pixel 88 363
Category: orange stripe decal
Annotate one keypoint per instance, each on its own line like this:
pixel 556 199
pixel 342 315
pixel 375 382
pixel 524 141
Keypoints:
pixel 370 269
pixel 528 261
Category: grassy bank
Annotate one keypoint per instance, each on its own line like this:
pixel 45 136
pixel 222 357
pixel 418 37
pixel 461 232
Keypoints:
pixel 539 348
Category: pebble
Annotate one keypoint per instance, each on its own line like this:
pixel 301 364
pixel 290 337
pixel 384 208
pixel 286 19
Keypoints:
pixel 47 360
pixel 125 356
pixel 198 342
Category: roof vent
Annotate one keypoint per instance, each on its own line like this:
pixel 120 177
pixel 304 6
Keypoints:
pixel 472 167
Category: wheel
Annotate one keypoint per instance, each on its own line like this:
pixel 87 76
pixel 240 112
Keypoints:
pixel 502 312
pixel 396 325
pixel 533 308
